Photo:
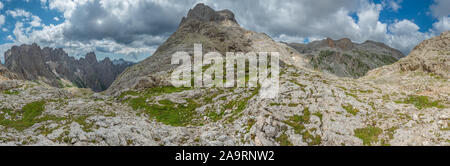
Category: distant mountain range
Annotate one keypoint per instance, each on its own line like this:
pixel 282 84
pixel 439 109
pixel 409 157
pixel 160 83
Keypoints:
pixel 345 58
pixel 56 68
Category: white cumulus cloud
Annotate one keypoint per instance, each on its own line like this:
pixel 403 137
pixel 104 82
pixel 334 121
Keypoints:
pixel 442 25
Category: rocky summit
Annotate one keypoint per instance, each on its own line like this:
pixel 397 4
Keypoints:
pixel 405 103
pixel 344 58
pixel 56 68
pixel 217 31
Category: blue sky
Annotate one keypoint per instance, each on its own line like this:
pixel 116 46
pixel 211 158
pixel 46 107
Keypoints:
pixel 133 29
pixel 418 11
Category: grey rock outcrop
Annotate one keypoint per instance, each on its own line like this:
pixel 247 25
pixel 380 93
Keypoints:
pixel 216 30
pixel 204 13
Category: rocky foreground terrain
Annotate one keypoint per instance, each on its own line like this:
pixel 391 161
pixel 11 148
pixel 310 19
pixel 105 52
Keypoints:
pixel 405 103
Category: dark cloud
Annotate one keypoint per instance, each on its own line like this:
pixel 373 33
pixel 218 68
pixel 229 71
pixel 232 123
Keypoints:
pixel 94 21
pixel 440 8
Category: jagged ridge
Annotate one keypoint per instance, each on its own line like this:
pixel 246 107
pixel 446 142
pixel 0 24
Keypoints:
pixel 49 65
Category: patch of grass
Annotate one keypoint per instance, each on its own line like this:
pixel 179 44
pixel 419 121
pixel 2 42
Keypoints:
pixel 44 130
pixel 85 126
pixel 32 110
pixel 210 98
pixel 206 67
pixel 130 142
pixel 447 128
pixel 166 89
pixel 105 113
pixel 63 137
pixel 391 131
pixel 368 135
pixel 275 104
pixel 350 109
pixel 366 91
pixel 60 83
pixel 314 139
pixel 154 91
pixel 303 87
pixel 421 102
pixel 29 116
pixel 386 97
pixel 173 114
pixel 297 122
pixel 214 116
pixel 295 74
pixel 240 105
pixel 138 103
pixel 184 114
pixel 128 93
pixel 386 59
pixel 12 114
pixel 404 116
pixel 283 140
pixel 343 88
pixel 351 94
pixel 223 98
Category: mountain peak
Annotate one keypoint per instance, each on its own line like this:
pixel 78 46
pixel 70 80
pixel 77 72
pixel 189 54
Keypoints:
pixel 204 13
pixel 91 57
pixel 430 56
pixel 344 43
